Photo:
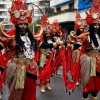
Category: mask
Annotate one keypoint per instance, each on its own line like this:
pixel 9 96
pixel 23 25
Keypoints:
pixel 22 29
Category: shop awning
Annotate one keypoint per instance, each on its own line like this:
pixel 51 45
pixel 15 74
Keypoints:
pixel 61 3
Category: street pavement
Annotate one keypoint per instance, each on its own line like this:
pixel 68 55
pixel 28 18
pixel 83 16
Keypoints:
pixel 59 91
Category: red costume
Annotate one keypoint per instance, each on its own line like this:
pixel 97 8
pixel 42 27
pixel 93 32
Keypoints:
pixel 21 69
pixel 73 56
pixel 45 46
pixel 89 59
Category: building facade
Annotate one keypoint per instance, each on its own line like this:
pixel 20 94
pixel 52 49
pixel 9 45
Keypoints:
pixel 65 12
pixel 43 7
pixel 4 6
pixel 4 14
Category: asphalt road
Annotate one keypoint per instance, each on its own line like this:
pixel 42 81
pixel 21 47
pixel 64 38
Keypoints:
pixel 59 91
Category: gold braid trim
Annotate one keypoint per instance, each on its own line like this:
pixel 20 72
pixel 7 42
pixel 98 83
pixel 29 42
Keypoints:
pixel 40 44
pixel 79 43
pixel 2 44
pixel 83 35
pixel 72 35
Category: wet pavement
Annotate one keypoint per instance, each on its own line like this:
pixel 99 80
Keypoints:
pixel 59 91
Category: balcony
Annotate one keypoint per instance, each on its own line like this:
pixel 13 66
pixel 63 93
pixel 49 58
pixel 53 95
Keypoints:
pixel 63 16
pixel 38 15
pixel 52 13
pixel 3 3
pixel 54 3
pixel 3 10
pixel 2 0
pixel 3 17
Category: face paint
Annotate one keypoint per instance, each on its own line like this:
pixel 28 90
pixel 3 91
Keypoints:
pixel 22 28
pixel 96 27
pixel 48 35
pixel 82 29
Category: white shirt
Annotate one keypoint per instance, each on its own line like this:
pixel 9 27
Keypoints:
pixel 27 43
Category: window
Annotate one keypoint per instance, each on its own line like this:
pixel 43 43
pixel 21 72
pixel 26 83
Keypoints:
pixel 1 0
pixel 2 6
pixel 58 9
pixel 71 6
pixel 8 6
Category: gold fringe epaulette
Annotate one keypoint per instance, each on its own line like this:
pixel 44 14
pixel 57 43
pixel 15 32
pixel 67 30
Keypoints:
pixel 83 34
pixel 80 36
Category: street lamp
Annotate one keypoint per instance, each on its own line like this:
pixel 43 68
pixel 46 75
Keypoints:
pixel 33 19
pixel 33 13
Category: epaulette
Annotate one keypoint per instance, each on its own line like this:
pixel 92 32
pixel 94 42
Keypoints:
pixel 84 34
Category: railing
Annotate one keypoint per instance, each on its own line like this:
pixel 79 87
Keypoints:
pixel 61 12
pixel 1 0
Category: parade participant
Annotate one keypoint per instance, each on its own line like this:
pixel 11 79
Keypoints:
pixel 56 37
pixel 45 44
pixel 21 69
pixel 80 28
pixel 55 32
pixel 90 58
pixel 44 56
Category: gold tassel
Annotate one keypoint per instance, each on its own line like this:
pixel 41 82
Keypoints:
pixel 20 77
pixel 93 67
pixel 42 60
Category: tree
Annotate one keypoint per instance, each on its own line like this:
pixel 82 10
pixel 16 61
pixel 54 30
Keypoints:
pixel 35 28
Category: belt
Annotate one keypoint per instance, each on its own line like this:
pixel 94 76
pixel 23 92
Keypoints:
pixel 98 74
pixel 92 50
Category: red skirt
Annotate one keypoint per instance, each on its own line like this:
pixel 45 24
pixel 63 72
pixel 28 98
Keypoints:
pixel 29 92
pixel 93 85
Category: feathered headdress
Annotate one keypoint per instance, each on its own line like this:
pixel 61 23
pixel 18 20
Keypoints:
pixel 79 22
pixel 56 27
pixel 19 12
pixel 93 15
pixel 45 23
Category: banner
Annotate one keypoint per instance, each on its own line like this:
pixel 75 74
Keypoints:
pixel 84 4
